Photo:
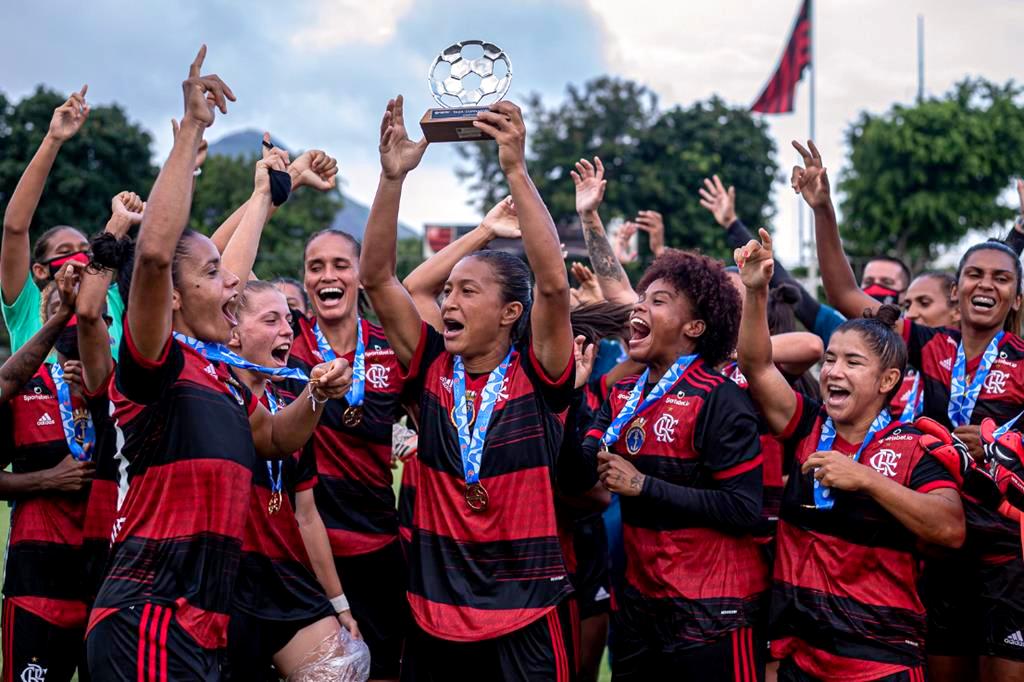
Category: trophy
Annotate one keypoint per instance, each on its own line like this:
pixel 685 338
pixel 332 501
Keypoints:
pixel 464 79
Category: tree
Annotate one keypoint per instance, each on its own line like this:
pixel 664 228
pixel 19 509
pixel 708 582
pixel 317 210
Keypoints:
pixel 921 176
pixel 109 154
pixel 654 160
pixel 226 183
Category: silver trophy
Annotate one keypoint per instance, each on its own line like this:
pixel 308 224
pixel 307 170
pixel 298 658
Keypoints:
pixel 464 79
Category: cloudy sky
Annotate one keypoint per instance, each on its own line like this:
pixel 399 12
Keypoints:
pixel 317 74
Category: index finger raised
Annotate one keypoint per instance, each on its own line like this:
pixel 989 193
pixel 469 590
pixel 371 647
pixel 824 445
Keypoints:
pixel 197 63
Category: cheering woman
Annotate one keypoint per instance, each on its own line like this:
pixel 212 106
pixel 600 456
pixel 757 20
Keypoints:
pixel 487 585
pixel 191 433
pixel 975 605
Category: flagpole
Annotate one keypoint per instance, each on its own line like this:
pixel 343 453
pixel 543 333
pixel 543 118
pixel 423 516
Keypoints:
pixel 812 261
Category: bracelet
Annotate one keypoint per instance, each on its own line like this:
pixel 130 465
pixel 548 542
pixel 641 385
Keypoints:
pixel 340 604
pixel 314 401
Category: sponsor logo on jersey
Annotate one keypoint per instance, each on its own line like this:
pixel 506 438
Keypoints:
pixel 1015 639
pixel 947 364
pixel 211 370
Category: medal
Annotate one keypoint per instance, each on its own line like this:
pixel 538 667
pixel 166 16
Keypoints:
pixel 352 416
pixel 79 431
pixel 276 483
pixel 274 504
pixel 635 436
pixel 472 436
pixel 823 496
pixel 476 497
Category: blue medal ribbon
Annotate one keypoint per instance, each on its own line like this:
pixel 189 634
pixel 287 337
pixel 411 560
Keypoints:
pixel 912 408
pixel 630 409
pixel 80 451
pixel 275 482
pixel 471 443
pixel 357 394
pixel 217 352
pixel 823 498
pixel 962 397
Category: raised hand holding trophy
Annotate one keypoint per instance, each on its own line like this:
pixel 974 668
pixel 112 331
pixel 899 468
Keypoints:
pixel 465 79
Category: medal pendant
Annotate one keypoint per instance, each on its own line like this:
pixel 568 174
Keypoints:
pixel 352 416
pixel 274 504
pixel 476 497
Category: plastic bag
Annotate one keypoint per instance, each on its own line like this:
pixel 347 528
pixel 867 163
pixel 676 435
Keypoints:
pixel 339 658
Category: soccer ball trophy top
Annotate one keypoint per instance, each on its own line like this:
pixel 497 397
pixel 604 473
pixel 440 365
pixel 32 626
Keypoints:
pixel 464 79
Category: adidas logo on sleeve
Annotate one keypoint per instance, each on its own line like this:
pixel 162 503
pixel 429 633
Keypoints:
pixel 47 420
pixel 1015 639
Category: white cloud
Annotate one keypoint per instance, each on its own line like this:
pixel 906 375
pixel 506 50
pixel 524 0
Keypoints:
pixel 335 23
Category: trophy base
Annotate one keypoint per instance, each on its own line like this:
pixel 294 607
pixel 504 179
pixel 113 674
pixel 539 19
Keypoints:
pixel 453 125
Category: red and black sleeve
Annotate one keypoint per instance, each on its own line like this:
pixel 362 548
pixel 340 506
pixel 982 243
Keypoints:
pixel 142 380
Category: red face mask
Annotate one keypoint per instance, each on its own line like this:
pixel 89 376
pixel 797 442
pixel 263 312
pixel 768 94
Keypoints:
pixel 55 264
pixel 882 294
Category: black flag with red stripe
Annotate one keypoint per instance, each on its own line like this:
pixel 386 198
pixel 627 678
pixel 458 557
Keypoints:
pixel 777 96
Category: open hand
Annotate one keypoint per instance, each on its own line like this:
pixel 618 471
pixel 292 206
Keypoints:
pixel 69 117
pixel 589 291
pixel 504 122
pixel 720 201
pixel 620 245
pixel 398 154
pixel 502 220
pixel 584 353
pixel 590 185
pixel 653 224
pixel 756 262
pixel 619 475
pixel 811 181
pixel 204 94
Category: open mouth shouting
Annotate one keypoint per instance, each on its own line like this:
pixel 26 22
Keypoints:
pixel 452 328
pixel 228 310
pixel 639 331
pixel 836 396
pixel 280 353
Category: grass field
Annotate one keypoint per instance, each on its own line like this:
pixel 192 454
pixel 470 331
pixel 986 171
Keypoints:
pixel 5 519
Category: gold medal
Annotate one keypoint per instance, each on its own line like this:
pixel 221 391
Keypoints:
pixel 274 504
pixel 476 497
pixel 352 416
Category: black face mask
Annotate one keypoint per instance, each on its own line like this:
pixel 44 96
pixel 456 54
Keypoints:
pixel 280 186
pixel 67 343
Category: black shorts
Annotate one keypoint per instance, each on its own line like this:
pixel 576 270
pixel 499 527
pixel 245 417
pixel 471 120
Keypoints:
pixel 739 656
pixel 144 643
pixel 253 641
pixel 375 585
pixel 593 589
pixel 788 672
pixel 1001 604
pixel 543 651
pixel 35 649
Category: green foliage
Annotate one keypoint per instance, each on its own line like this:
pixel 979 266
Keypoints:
pixel 410 255
pixel 653 159
pixel 227 182
pixel 109 154
pixel 921 176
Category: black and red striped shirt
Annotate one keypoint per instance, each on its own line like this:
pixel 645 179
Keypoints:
pixel 189 443
pixel 991 536
pixel 101 511
pixel 480 575
pixel 693 570
pixel 275 579
pixel 46 570
pixel 844 602
pixel 354 493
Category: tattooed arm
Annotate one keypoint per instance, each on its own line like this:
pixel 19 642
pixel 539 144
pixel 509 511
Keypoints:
pixel 590 186
pixel 20 367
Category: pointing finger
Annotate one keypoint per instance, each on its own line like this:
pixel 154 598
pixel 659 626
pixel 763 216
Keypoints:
pixel 197 63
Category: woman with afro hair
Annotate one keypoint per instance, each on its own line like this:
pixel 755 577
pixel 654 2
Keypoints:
pixel 679 444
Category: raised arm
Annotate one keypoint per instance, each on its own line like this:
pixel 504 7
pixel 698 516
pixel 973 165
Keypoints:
pixel 768 387
pixel 15 247
pixel 426 282
pixel 590 185
pixel 20 367
pixel 240 253
pixel 392 303
pixel 841 286
pixel 549 319
pixel 149 302
pixel 796 352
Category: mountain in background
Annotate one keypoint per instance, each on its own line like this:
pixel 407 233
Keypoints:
pixel 351 218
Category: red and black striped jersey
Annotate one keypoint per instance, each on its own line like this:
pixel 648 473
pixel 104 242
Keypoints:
pixel 479 575
pixel 354 493
pixel 46 562
pixel 844 602
pixel 188 439
pixel 932 350
pixel 904 394
pixel 101 511
pixel 275 579
pixel 693 570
